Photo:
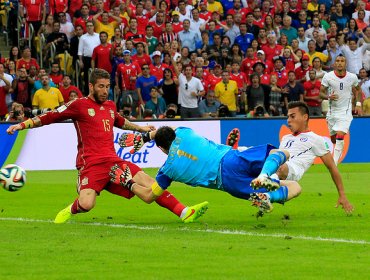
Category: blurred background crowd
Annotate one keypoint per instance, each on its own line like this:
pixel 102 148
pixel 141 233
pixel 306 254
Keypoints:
pixel 180 58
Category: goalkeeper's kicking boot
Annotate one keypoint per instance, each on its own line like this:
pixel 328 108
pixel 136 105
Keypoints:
pixel 120 176
pixel 63 215
pixel 194 212
pixel 262 202
pixel 268 183
pixel 233 138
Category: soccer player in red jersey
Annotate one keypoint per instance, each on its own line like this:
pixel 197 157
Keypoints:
pixel 94 117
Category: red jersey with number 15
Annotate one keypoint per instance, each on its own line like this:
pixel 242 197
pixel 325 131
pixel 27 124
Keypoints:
pixel 94 126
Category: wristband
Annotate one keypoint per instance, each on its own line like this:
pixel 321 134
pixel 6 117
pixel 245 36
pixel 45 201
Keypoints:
pixel 358 104
pixel 27 124
pixel 146 137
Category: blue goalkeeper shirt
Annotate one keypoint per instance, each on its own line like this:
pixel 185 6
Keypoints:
pixel 193 160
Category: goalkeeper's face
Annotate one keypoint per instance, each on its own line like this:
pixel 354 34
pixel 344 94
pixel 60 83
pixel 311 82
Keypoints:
pixel 100 90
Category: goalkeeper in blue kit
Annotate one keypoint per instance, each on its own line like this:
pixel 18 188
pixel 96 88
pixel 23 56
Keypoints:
pixel 197 161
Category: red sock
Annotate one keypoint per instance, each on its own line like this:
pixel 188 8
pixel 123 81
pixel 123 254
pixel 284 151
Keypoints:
pixel 76 207
pixel 167 200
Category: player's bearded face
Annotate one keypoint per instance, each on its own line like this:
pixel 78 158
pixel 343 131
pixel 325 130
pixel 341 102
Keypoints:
pixel 100 90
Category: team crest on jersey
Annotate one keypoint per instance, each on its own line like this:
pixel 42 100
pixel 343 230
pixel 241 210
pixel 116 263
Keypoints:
pixel 91 112
pixel 84 181
pixel 111 113
pixel 303 139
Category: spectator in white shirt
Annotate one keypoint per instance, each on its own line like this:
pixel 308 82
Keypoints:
pixel 354 55
pixel 86 46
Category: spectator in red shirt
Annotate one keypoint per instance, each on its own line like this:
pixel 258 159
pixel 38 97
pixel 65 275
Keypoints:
pixel 312 94
pixel 157 68
pixel 215 77
pixel 280 71
pixel 125 79
pixel 269 66
pixel 272 48
pixel 133 34
pixel 141 57
pixel 142 19
pixel 199 73
pixel 33 12
pixel 26 61
pixel 177 26
pixel 82 16
pixel 301 71
pixel 66 88
pixel 100 56
pixel 55 75
pixel 158 25
pixel 259 68
pixel 203 12
pixel 239 77
pixel 248 62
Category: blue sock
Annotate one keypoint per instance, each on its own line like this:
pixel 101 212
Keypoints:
pixel 280 195
pixel 272 163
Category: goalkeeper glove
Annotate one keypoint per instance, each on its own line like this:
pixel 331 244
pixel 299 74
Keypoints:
pixel 135 140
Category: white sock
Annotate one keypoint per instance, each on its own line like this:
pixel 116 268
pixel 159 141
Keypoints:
pixel 183 212
pixel 339 144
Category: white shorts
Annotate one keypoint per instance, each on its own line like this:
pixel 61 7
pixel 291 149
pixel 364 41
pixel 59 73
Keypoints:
pixel 338 124
pixel 295 173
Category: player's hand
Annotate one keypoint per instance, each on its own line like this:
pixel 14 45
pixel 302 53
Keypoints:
pixel 346 205
pixel 358 110
pixel 333 96
pixel 13 128
pixel 135 140
pixel 148 128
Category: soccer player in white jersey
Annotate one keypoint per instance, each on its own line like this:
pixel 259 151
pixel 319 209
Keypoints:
pixel 338 86
pixel 304 146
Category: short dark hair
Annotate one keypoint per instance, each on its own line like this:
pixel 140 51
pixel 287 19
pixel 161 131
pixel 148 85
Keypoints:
pixel 302 107
pixel 98 74
pixel 164 137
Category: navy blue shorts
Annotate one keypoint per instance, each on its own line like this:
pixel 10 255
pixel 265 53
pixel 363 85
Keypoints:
pixel 238 169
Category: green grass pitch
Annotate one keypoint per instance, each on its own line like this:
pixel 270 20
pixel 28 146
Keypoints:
pixel 307 238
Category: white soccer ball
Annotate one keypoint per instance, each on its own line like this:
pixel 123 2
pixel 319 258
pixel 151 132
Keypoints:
pixel 12 177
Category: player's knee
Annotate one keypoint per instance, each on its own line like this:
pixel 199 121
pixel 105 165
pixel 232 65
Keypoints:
pixel 295 189
pixel 283 171
pixel 86 206
pixel 283 153
pixel 86 203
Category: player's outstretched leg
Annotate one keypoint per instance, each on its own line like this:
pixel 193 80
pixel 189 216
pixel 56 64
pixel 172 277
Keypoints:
pixel 261 201
pixel 233 138
pixel 63 215
pixel 120 176
pixel 194 212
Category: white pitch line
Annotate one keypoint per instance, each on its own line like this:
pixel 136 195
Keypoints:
pixel 229 232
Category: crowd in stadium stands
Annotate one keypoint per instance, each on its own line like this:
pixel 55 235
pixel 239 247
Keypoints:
pixel 181 58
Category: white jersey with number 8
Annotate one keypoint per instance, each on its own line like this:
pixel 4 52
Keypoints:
pixel 342 86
